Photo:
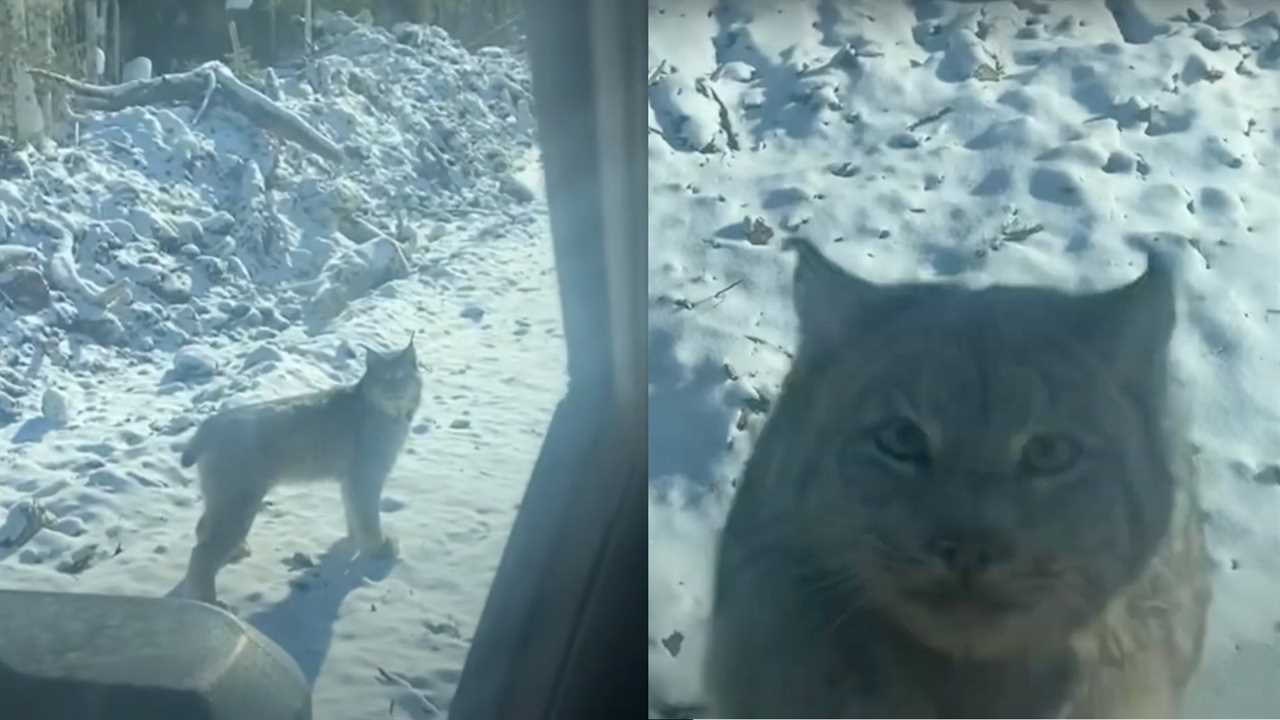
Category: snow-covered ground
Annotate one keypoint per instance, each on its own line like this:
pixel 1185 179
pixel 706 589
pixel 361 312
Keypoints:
pixel 1022 142
pixel 218 265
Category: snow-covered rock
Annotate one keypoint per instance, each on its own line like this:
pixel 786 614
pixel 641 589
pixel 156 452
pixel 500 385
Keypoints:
pixel 54 406
pixel 194 361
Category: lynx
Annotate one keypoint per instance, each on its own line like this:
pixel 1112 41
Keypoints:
pixel 967 503
pixel 351 433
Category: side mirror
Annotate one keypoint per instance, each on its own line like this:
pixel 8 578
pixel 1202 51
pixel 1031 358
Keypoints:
pixel 112 657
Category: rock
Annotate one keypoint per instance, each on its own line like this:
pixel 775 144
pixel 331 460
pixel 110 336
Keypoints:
pixel 81 558
pixel 189 231
pixel 104 329
pixel 193 361
pixel 144 222
pixel 354 273
pixel 54 407
pixel 219 223
pixel 26 287
pixel 241 314
pixel 406 235
pixel 176 425
pixel 188 320
pixel 168 236
pixel 299 561
pixel 271 317
pixel 122 232
pixel 460 424
pixel 8 409
pixel 758 231
pixel 26 518
pixel 903 141
pixel 108 480
pixel 213 268
pixel 515 189
pixel 172 287
pixel 19 256
pixel 70 526
pixel 236 269
pixel 145 274
pixel 472 312
pixel 222 247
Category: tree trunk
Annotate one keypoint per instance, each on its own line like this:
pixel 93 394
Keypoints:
pixel 113 9
pixel 93 36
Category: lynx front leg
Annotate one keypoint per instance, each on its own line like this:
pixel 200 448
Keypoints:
pixel 361 497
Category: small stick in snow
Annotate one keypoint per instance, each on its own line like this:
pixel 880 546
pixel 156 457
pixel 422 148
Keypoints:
pixel 409 697
pixel 945 111
pixel 1015 235
pixel 685 304
pixel 657 73
pixel 726 123
pixel 775 346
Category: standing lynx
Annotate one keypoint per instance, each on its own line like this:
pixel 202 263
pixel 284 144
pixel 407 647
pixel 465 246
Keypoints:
pixel 351 433
pixel 967 503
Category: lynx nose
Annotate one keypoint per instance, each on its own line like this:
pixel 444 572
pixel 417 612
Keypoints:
pixel 968 552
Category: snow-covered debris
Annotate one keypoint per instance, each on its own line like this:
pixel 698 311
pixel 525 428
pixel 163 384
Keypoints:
pixel 152 212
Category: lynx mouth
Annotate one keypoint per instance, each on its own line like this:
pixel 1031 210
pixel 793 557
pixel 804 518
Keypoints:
pixel 965 603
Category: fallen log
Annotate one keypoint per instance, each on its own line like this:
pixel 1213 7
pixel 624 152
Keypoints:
pixel 212 80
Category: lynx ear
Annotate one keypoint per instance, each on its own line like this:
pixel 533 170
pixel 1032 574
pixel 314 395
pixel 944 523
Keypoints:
pixel 409 351
pixel 831 303
pixel 1131 326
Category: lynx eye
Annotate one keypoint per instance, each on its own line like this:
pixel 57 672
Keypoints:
pixel 1049 454
pixel 903 440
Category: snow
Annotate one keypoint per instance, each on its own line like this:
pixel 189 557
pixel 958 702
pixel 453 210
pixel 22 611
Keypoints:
pixel 186 268
pixel 1017 142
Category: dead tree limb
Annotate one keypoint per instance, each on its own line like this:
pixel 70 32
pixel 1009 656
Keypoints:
pixel 191 87
pixel 210 86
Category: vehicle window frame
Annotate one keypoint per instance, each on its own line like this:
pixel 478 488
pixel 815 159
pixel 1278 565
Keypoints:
pixel 563 628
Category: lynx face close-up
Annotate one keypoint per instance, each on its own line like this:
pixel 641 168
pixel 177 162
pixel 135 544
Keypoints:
pixel 957 483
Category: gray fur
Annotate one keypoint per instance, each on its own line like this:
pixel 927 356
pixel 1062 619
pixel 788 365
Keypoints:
pixel 870 569
pixel 352 434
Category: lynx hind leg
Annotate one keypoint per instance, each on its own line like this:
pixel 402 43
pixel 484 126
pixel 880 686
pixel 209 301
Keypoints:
pixel 361 497
pixel 240 553
pixel 220 535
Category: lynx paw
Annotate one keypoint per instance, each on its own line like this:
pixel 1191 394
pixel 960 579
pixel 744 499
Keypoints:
pixel 387 549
